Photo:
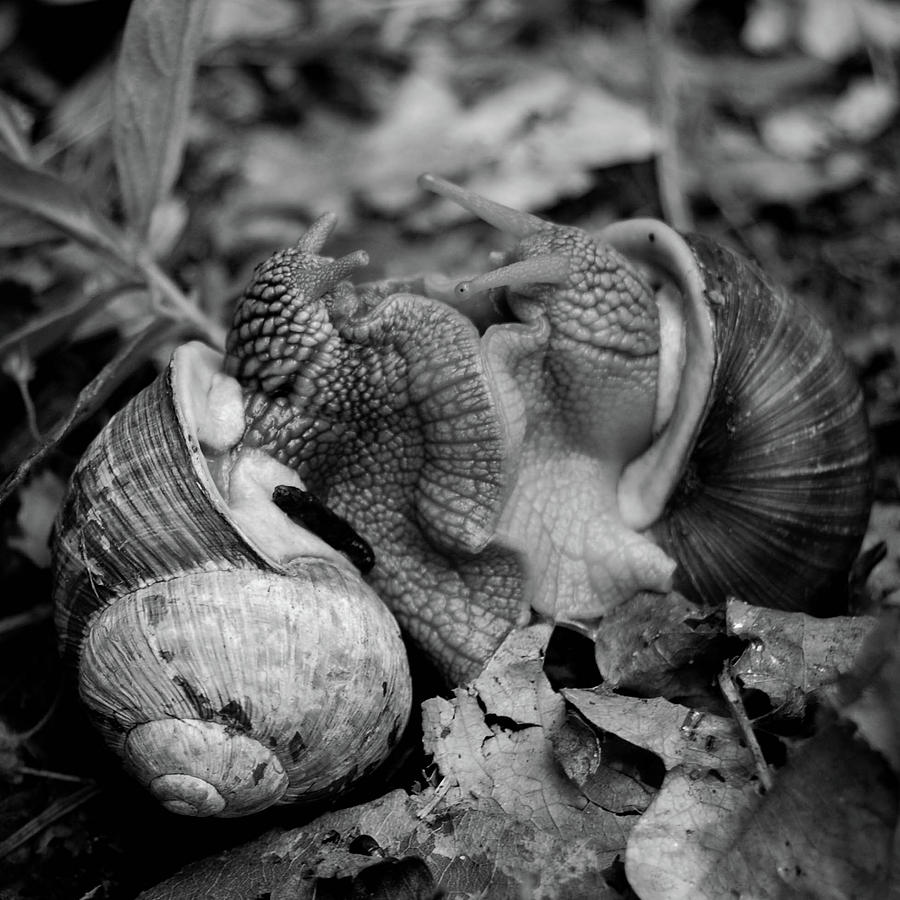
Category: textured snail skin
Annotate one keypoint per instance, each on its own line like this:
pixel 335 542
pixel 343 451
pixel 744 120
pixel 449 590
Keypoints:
pixel 384 407
pixel 555 462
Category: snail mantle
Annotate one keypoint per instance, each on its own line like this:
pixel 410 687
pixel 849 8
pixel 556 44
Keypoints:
pixel 635 410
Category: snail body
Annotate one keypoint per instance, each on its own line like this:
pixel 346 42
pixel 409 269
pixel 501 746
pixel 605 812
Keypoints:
pixel 721 427
pixel 231 658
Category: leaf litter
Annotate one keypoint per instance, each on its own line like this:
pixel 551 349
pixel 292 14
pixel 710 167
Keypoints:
pixel 548 791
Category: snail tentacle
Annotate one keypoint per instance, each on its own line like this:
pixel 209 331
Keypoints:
pixel 504 218
pixel 534 270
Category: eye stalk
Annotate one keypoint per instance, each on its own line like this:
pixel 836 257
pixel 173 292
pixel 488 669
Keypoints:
pixel 549 269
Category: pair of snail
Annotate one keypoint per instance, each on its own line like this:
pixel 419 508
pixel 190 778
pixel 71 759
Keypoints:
pixel 646 412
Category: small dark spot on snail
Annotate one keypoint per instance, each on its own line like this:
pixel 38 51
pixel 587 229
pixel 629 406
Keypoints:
pixel 236 719
pixel 365 845
pixel 167 655
pixel 259 772
pixel 198 700
pixel 384 689
pixel 311 513
pixel 651 237
pixel 296 746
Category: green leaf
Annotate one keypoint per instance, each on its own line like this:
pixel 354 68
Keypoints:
pixel 55 201
pixel 152 92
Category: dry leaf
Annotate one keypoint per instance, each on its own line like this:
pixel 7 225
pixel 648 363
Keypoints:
pixel 680 736
pixel 644 644
pixel 825 830
pixel 493 741
pixel 869 695
pixel 790 655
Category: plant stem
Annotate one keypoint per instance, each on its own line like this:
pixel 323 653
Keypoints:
pixel 179 305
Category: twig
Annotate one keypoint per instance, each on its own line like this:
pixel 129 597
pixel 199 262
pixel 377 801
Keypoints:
pixel 53 776
pixel 676 210
pixel 733 698
pixel 439 793
pixel 51 814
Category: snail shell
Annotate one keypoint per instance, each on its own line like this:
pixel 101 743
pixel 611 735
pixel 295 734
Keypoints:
pixel 781 459
pixel 231 658
pixel 732 426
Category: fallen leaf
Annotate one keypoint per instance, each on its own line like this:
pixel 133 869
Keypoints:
pixel 496 748
pixel 468 852
pixel 810 129
pixel 645 645
pixel 791 655
pixel 734 165
pixel 243 20
pixel 869 694
pixel 865 109
pixel 680 736
pixel 825 830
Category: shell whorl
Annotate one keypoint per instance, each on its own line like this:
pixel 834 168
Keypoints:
pixel 246 689
pixel 775 499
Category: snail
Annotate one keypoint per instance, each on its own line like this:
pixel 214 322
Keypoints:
pixel 380 398
pixel 642 411
pixel 230 656
pixel 712 438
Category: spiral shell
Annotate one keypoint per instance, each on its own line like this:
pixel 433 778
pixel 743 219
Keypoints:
pixel 773 499
pixel 231 658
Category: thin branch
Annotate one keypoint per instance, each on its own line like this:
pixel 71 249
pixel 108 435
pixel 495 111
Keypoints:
pixel 53 813
pixel 736 705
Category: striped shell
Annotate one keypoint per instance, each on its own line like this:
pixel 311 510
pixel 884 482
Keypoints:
pixel 231 658
pixel 775 499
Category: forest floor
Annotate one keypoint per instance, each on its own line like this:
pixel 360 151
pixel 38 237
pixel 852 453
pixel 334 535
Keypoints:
pixel 772 126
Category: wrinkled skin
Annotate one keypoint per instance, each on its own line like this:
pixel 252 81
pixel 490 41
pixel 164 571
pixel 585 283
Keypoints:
pixel 481 468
